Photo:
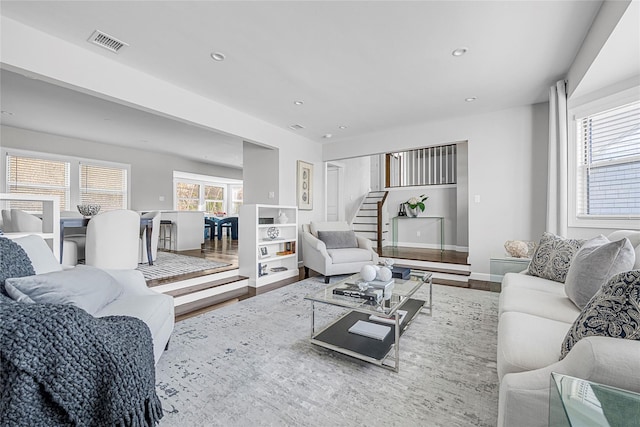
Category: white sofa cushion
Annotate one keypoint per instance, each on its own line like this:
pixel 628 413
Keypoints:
pixel 612 312
pixel 552 257
pixel 346 255
pixel 85 287
pixel 524 281
pixel 596 261
pixel 39 253
pixel 527 342
pixel 543 304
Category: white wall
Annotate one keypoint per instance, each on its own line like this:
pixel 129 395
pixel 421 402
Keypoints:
pixel 151 172
pixel 441 202
pixel 357 181
pixel 259 181
pixel 507 170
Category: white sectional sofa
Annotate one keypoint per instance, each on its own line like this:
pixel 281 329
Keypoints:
pixel 535 316
pixel 135 299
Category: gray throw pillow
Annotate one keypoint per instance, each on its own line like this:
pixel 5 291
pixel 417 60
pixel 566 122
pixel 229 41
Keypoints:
pixel 612 312
pixel 596 261
pixel 552 257
pixel 85 287
pixel 338 239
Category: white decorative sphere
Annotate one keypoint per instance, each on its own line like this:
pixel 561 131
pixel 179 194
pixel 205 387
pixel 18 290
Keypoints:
pixel 384 274
pixel 368 273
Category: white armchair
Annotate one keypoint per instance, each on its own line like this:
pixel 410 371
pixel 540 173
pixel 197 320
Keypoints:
pixel 331 248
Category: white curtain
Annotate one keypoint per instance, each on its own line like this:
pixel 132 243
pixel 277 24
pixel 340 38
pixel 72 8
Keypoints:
pixel 557 198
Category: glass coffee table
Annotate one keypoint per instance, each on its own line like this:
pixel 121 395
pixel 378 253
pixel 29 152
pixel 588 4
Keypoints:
pixel 376 319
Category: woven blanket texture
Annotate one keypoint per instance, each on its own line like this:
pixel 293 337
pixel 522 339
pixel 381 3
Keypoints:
pixel 14 262
pixel 61 366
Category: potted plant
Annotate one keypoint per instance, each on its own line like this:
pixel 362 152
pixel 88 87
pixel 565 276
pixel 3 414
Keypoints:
pixel 415 203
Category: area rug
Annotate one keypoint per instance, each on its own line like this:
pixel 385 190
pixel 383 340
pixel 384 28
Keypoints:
pixel 168 265
pixel 251 364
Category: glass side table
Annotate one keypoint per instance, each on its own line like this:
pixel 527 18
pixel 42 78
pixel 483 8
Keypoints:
pixel 574 402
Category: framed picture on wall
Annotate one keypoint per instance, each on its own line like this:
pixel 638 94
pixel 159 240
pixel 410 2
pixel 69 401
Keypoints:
pixel 305 185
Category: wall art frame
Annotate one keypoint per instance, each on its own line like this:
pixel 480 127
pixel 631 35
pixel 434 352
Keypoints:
pixel 305 185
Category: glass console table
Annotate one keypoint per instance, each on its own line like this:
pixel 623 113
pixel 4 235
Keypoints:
pixel 574 402
pixel 394 233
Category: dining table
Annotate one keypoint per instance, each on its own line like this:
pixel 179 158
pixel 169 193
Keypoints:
pixel 145 224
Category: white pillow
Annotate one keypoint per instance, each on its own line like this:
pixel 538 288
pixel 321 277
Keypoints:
pixel 594 264
pixel 86 287
pixel 39 253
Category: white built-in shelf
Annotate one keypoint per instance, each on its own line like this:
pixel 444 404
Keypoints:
pixel 253 240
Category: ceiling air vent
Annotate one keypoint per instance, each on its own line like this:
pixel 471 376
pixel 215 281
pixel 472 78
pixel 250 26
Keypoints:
pixel 106 41
pixel 296 127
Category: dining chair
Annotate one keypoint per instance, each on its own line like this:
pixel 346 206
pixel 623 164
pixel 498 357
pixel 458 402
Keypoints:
pixel 75 234
pixel 155 234
pixel 113 240
pixel 24 222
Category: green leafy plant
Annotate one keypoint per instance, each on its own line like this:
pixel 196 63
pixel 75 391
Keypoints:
pixel 417 202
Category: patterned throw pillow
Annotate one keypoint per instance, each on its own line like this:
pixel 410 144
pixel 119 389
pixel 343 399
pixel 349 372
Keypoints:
pixel 612 312
pixel 552 257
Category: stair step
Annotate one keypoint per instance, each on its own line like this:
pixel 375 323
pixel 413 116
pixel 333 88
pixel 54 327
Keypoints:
pixel 181 310
pixel 203 286
pixel 438 270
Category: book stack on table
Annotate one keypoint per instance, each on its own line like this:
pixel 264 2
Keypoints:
pixel 353 291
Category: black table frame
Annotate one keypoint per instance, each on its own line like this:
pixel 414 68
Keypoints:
pixel 145 224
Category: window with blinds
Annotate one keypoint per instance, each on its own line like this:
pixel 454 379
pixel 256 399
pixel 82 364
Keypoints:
pixel 103 185
pixel 213 198
pixel 37 176
pixel 424 166
pixel 187 196
pixel 608 167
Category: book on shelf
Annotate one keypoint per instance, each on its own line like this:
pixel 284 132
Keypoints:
pixel 371 330
pixel 390 320
pixel 352 291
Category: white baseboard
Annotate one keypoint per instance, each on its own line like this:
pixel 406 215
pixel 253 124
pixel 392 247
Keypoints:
pixel 480 276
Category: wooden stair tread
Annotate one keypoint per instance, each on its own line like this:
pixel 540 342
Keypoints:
pixel 437 270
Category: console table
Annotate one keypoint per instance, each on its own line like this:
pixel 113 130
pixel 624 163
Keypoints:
pixel 394 222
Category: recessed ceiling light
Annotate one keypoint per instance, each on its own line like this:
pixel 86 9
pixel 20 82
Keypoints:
pixel 470 99
pixel 327 135
pixel 342 127
pixel 217 56
pixel 296 127
pixel 298 102
pixel 459 51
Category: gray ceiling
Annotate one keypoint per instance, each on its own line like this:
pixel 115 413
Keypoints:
pixel 364 65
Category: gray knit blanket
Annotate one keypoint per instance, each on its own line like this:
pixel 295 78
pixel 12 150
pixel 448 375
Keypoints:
pixel 60 366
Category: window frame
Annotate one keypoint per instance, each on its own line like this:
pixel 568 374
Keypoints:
pixel 202 181
pixel 575 114
pixel 74 172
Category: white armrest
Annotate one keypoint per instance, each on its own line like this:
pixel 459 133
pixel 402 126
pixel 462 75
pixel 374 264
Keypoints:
pixel 315 243
pixel 610 361
pixel 132 280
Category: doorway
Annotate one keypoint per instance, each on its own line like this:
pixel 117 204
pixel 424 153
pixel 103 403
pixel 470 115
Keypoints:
pixel 334 190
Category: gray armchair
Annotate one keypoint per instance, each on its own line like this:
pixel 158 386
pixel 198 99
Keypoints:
pixel 331 248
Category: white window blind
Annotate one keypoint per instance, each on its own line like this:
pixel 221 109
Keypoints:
pixel 187 196
pixel 33 175
pixel 103 185
pixel 608 181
